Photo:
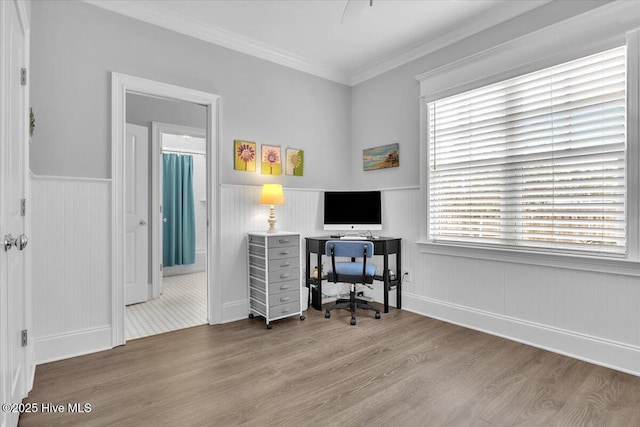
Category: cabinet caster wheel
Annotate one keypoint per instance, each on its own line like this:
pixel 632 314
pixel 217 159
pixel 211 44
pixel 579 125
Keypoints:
pixel 377 314
pixel 353 321
pixel 268 326
pixel 251 316
pixel 327 314
pixel 302 317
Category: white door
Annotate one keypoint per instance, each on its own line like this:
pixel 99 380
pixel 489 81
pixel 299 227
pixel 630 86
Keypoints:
pixel 14 155
pixel 136 205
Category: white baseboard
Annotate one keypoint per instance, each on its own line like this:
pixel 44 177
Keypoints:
pixel 32 377
pixel 236 310
pixel 610 354
pixel 72 344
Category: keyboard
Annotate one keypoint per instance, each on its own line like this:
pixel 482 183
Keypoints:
pixel 354 238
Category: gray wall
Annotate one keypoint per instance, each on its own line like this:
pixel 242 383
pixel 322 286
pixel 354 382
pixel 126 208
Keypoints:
pixel 386 109
pixel 142 110
pixel 75 46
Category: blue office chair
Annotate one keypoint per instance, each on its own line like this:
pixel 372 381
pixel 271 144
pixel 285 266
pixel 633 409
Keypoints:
pixel 350 272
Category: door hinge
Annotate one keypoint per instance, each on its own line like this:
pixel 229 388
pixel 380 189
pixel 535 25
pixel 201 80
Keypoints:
pixel 160 209
pixel 23 207
pixel 24 337
pixel 160 267
pixel 23 76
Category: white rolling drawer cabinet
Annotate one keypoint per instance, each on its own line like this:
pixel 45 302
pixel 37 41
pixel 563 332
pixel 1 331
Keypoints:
pixel 274 275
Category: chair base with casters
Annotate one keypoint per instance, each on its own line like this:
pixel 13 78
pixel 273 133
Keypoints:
pixel 352 304
pixel 351 272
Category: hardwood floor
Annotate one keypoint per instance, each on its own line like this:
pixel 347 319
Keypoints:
pixel 402 370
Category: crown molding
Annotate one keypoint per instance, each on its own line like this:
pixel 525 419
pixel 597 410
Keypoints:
pixel 152 14
pixel 468 28
pixel 607 24
pixel 148 12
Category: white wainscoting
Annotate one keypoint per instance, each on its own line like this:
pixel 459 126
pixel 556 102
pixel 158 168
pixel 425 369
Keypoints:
pixel 302 213
pixel 72 257
pixel 593 316
pixel 241 214
pixel 71 227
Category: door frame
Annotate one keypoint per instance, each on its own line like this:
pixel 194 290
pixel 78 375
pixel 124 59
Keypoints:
pixel 121 84
pixel 157 129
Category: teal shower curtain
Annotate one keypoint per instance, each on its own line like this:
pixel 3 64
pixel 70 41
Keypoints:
pixel 179 231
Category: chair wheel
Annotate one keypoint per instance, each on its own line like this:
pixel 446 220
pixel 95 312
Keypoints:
pixel 268 326
pixel 353 321
pixel 302 317
pixel 377 314
pixel 327 314
pixel 251 316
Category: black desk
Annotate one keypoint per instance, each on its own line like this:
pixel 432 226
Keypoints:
pixel 383 246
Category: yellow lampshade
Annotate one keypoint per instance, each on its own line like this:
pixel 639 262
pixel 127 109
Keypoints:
pixel 272 194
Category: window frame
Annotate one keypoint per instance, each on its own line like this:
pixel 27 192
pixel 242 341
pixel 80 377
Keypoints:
pixel 507 219
pixel 461 76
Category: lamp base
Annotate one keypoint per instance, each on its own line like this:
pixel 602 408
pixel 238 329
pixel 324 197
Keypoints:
pixel 272 219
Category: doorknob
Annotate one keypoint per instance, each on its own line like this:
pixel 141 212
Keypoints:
pixel 9 241
pixel 164 219
pixel 21 242
pixel 143 222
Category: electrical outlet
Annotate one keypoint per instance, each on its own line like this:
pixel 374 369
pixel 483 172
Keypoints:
pixel 406 275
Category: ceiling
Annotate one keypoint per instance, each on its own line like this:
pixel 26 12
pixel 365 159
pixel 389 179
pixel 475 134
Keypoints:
pixel 347 41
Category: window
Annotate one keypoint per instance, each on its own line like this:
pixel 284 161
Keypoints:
pixel 535 161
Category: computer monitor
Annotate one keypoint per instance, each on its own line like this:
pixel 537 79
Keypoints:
pixel 352 210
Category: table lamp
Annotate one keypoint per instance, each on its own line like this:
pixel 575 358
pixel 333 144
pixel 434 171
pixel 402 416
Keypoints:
pixel 272 194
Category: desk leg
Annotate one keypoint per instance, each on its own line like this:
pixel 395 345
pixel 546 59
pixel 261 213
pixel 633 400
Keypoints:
pixel 307 273
pixel 385 276
pixel 318 305
pixel 399 274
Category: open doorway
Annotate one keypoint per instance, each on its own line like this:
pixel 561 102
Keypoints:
pixel 123 87
pixel 165 176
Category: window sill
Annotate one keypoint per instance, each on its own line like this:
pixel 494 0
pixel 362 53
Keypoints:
pixel 621 266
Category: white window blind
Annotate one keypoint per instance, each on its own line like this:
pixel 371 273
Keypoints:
pixel 534 161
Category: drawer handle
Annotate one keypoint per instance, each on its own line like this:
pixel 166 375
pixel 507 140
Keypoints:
pixel 283 241
pixel 284 310
pixel 284 287
pixel 286 264
pixel 284 276
pixel 284 253
pixel 284 299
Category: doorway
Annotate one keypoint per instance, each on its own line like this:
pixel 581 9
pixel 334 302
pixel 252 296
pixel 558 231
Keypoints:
pixel 165 174
pixel 123 85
